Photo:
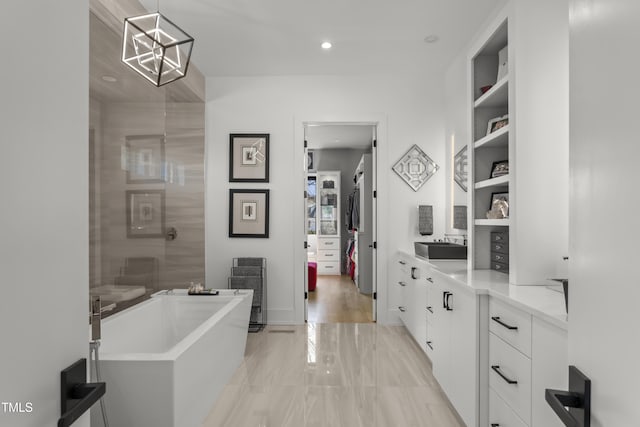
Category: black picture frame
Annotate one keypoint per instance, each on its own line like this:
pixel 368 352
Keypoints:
pixel 499 168
pixel 249 157
pixel 145 213
pixel 249 213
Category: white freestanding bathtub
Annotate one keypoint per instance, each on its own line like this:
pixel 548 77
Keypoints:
pixel 166 360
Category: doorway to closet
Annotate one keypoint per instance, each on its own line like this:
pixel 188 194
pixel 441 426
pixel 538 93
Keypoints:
pixel 340 222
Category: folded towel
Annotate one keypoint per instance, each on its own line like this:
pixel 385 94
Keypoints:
pixel 425 220
pixel 460 217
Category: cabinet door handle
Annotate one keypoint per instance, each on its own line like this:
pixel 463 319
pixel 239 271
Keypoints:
pixel 496 368
pixel 429 345
pixel 402 262
pixel 328 254
pixel 328 243
pixel 429 279
pixel 500 322
pixel 444 299
pixel 413 272
pixel 449 308
pixel 402 284
pixel 495 425
pixel 402 309
pixel 430 310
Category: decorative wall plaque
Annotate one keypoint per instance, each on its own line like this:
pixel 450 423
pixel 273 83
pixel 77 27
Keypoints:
pixel 415 168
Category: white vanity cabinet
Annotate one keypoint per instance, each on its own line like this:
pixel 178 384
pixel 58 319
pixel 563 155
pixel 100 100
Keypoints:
pixel 453 333
pixel 411 285
pixel 526 356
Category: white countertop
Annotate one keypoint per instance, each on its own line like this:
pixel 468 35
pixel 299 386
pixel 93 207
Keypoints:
pixel 544 302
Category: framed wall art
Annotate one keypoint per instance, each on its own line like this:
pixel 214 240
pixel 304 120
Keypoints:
pixel 144 159
pixel 249 157
pixel 145 213
pixel 248 213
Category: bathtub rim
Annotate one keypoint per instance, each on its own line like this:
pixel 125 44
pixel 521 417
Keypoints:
pixel 173 353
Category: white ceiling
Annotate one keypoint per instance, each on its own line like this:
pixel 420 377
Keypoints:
pixel 282 37
pixel 327 136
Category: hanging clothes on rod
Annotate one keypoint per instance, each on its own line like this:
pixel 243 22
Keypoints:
pixel 352 211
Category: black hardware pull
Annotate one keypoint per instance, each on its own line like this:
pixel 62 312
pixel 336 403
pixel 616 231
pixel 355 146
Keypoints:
pixel 444 299
pixel 497 320
pixel 429 345
pixel 496 368
pixel 495 425
pixel 430 310
pixel 402 262
pixel 402 284
pixel 429 279
pixel 413 273
pixel 449 308
pixel 402 309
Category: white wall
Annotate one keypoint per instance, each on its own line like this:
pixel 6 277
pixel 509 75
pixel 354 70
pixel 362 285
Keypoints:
pixel 604 205
pixel 411 108
pixel 44 204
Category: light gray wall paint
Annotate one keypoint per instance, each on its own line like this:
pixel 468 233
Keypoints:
pixel 345 161
pixel 44 249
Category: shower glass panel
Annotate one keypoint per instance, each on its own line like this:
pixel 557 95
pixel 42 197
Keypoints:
pixel 146 187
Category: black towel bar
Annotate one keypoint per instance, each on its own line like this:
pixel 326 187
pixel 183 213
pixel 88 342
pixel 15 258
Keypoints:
pixel 77 396
pixel 577 400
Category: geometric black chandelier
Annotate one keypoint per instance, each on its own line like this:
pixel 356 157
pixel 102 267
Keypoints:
pixel 156 48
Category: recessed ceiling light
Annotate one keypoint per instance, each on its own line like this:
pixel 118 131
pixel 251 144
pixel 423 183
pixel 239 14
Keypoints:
pixel 432 38
pixel 326 45
pixel 109 79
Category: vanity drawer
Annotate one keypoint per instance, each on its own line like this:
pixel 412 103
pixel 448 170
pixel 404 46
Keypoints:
pixel 502 248
pixel 510 376
pixel 498 266
pixel 501 258
pixel 499 237
pixel 324 255
pixel 331 243
pixel 510 324
pixel 500 414
pixel 328 267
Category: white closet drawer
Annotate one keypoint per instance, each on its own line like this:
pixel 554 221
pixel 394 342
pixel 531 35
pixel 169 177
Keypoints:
pixel 329 267
pixel 332 243
pixel 510 324
pixel 510 376
pixel 500 414
pixel 329 255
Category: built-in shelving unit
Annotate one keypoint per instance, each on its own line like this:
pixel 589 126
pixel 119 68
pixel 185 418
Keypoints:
pixel 329 253
pixel 497 96
pixel 492 140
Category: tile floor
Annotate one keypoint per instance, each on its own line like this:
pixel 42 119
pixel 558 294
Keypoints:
pixel 335 374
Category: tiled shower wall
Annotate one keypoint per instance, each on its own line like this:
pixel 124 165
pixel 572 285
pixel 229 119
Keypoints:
pixel 181 260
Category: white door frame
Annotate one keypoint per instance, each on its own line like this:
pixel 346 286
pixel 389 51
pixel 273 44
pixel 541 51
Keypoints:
pixel 381 253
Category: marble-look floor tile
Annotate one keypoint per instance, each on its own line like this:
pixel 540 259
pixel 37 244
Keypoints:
pixel 413 407
pixel 319 375
pixel 260 406
pixel 340 406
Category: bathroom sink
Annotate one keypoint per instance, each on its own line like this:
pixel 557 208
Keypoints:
pixel 440 250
